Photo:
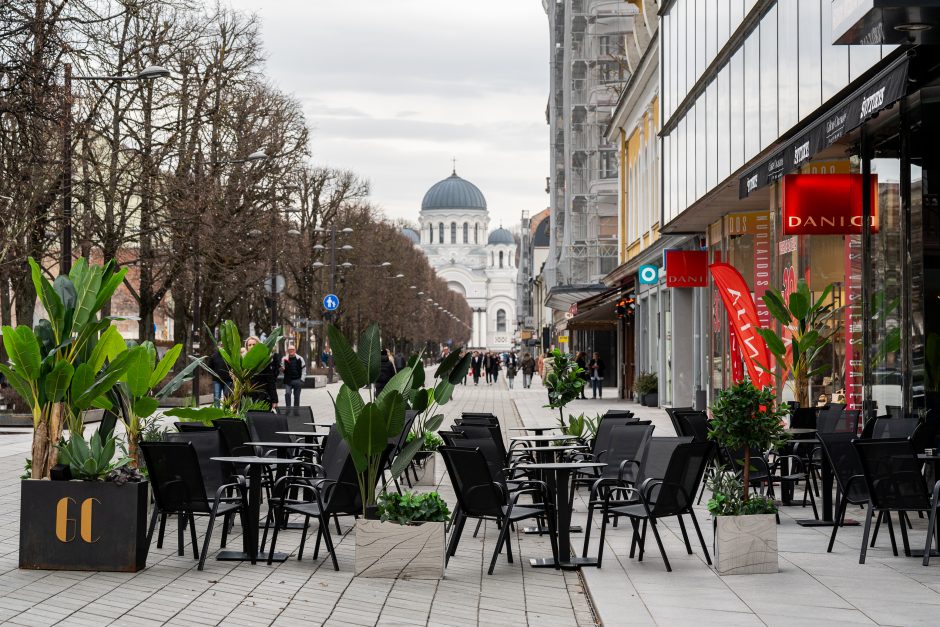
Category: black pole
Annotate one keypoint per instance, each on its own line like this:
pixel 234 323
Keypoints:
pixel 66 262
pixel 329 314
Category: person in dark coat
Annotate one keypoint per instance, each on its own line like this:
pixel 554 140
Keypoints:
pixel 221 377
pixel 596 372
pixel 581 360
pixel 492 366
pixel 386 370
pixel 265 382
pixel 528 369
pixel 476 367
pixel 295 371
pixel 511 366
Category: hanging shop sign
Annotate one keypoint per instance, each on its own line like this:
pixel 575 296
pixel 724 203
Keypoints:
pixel 742 315
pixel 648 275
pixel 686 268
pixel 826 204
pixel 885 88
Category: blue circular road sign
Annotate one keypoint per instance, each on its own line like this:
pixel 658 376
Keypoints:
pixel 331 302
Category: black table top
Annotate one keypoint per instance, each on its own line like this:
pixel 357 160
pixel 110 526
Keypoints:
pixel 542 438
pixel 532 428
pixel 562 447
pixel 303 434
pixel 562 465
pixel 253 459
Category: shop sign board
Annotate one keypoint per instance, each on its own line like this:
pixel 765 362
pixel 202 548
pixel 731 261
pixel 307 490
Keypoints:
pixel 648 275
pixel 686 268
pixel 826 204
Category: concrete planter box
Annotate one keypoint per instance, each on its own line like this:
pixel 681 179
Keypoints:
pixel 746 545
pixel 427 473
pixel 387 549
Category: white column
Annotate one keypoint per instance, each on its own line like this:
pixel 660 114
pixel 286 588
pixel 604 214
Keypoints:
pixel 484 339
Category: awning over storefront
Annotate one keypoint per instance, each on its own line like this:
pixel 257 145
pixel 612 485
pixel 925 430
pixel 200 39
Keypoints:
pixel 596 313
pixel 881 91
pixel 561 297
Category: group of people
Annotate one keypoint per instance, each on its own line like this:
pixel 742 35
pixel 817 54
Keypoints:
pixel 593 373
pixel 487 365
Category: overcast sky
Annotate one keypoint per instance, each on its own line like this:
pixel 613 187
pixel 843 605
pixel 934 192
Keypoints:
pixel 393 89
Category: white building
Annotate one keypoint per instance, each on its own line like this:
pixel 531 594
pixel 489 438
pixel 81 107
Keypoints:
pixel 481 266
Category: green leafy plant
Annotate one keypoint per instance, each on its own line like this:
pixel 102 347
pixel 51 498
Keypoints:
pixel 646 383
pixel 582 427
pixel 430 442
pixel 810 332
pixel 411 507
pixel 61 367
pixel 564 383
pixel 743 417
pixel 727 499
pixel 92 460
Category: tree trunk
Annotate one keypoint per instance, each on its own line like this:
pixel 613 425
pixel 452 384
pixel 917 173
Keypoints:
pixel 133 450
pixel 46 436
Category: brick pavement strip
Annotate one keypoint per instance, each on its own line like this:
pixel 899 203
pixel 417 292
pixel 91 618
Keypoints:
pixel 172 592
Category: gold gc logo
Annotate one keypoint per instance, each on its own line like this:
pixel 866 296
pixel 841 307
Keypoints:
pixel 65 525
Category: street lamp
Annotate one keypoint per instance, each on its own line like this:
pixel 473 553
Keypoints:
pixel 147 74
pixel 332 231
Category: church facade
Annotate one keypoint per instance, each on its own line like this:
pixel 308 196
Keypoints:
pixel 478 264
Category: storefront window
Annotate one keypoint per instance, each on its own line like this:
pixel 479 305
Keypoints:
pixel 788 53
pixel 768 78
pixel 810 50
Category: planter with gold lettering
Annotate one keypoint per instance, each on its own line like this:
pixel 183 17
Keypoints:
pixel 83 525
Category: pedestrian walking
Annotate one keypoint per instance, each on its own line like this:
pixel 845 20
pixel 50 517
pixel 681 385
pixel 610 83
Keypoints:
pixel 221 377
pixel 492 366
pixel 581 360
pixel 511 367
pixel 386 370
pixel 264 383
pixel 596 370
pixel 399 361
pixel 476 367
pixel 528 368
pixel 295 371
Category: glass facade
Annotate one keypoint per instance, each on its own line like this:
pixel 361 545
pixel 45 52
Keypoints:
pixel 785 69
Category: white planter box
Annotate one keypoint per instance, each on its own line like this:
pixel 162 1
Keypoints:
pixel 387 549
pixel 746 545
pixel 427 472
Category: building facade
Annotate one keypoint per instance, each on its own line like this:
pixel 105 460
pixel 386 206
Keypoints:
pixel 480 265
pixel 777 115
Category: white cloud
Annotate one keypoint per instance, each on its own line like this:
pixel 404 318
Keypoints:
pixel 393 89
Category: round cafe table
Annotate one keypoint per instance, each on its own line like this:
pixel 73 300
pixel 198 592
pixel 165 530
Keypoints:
pixel 535 430
pixel 545 455
pixel 558 478
pixel 253 507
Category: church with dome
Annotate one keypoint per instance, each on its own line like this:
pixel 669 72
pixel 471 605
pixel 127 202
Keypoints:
pixel 478 264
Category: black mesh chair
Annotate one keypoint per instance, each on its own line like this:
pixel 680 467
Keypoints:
pixel 849 475
pixel 895 484
pixel 694 424
pixel 894 428
pixel 480 495
pixel 610 492
pixel 180 488
pixel 333 492
pixel 672 495
pixel 234 433
pixel 599 447
pixel 299 418
pixel 264 426
pixel 184 427
pixel 672 412
pixel 624 442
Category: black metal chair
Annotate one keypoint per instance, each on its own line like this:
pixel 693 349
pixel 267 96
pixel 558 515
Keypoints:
pixel 651 463
pixel 672 412
pixel 299 418
pixel 234 433
pixel 625 442
pixel 672 495
pixel 184 427
pixel 180 488
pixel 894 428
pixel 480 495
pixel 599 448
pixel 333 492
pixel 694 424
pixel 895 484
pixel 849 474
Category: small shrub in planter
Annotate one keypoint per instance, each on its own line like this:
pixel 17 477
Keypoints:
pixel 408 539
pixel 744 417
pixel 647 388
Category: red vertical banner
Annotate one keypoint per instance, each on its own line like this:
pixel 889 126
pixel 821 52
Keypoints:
pixel 734 351
pixel 762 253
pixel 742 314
pixel 852 306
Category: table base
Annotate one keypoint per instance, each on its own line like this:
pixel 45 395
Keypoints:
pixel 812 522
pixel 541 530
pixel 572 563
pixel 241 556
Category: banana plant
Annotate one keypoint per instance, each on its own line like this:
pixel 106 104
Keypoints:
pixel 136 393
pixel 61 367
pixel 808 325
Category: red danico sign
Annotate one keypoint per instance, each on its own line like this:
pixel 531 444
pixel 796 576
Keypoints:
pixel 686 268
pixel 826 204
pixel 742 316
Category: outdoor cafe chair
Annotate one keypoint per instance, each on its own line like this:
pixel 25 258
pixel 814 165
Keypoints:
pixel 672 495
pixel 625 442
pixel 849 475
pixel 895 484
pixel 299 417
pixel 234 433
pixel 672 412
pixel 651 463
pixel 179 488
pixel 482 496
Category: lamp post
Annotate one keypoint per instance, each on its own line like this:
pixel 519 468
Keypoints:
pixel 147 74
pixel 328 316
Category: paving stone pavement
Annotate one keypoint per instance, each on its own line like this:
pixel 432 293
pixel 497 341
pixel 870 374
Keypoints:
pixel 812 587
pixel 171 591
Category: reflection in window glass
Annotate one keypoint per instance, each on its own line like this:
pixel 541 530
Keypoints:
pixel 810 81
pixel 723 129
pixel 736 99
pixel 711 135
pixel 723 22
pixel 861 58
pixel 768 78
pixel 701 38
pixel 752 100
pixel 701 155
pixel 736 14
pixel 835 59
pixel 682 160
pixel 666 41
pixel 711 29
pixel 787 63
